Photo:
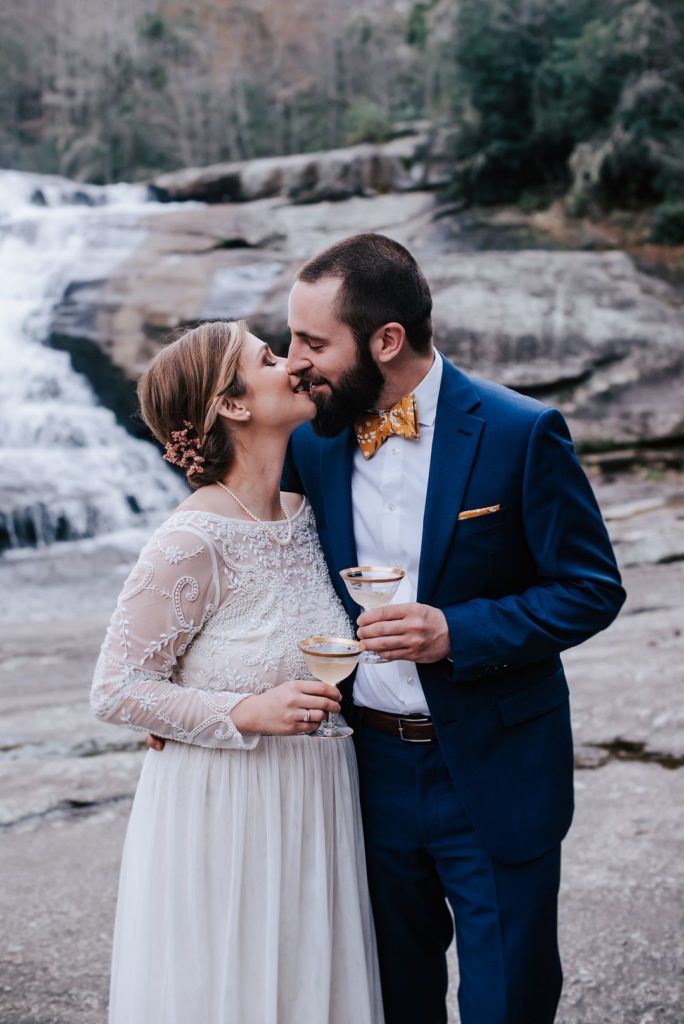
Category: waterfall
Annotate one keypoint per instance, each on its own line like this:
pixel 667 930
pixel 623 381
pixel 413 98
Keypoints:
pixel 67 469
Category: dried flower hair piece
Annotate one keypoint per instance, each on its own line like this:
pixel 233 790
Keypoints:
pixel 183 450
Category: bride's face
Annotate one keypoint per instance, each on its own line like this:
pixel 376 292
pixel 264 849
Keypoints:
pixel 274 397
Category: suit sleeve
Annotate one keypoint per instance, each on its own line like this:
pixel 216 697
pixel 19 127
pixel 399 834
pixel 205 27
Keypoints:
pixel 578 590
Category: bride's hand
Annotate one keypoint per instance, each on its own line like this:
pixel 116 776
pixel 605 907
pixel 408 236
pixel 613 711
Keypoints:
pixel 282 710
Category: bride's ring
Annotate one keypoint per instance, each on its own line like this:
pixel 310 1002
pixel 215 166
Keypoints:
pixel 307 714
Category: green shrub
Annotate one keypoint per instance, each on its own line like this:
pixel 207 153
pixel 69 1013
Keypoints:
pixel 365 121
pixel 540 77
pixel 417 27
pixel 577 87
pixel 534 202
pixel 668 223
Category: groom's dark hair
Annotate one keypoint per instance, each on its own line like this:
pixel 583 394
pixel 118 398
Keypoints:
pixel 380 283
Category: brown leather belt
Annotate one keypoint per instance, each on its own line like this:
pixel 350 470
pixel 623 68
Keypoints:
pixel 410 728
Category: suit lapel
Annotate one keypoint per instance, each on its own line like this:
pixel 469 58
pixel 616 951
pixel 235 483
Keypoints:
pixel 454 446
pixel 336 475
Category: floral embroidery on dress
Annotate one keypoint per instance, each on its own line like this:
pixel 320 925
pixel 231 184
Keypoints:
pixel 174 554
pixel 211 614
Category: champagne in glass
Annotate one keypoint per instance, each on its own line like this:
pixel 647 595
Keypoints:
pixel 372 586
pixel 331 659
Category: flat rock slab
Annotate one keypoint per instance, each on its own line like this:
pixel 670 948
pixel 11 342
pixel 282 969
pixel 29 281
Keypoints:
pixel 66 783
pixel 622 918
pixel 600 337
pixel 622 934
pixel 58 916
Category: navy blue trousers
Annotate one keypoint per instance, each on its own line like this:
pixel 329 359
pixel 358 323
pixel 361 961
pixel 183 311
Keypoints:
pixel 423 856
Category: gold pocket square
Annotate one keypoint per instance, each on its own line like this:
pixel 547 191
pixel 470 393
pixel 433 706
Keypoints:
pixel 473 513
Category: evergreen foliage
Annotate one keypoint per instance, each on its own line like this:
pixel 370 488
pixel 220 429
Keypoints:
pixel 668 223
pixel 546 96
pixel 542 80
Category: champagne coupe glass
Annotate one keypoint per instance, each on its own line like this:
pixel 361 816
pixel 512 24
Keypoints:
pixel 372 586
pixel 331 659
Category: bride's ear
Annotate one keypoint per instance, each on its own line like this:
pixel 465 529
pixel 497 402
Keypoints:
pixel 234 409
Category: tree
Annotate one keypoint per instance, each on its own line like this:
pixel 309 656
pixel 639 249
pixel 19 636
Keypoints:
pixel 542 77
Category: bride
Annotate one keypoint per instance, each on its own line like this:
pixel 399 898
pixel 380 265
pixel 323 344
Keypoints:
pixel 242 897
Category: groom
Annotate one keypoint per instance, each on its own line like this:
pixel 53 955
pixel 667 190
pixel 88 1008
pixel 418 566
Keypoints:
pixel 463 738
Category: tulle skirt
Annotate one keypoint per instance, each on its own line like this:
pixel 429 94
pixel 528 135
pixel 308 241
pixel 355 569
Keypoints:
pixel 243 895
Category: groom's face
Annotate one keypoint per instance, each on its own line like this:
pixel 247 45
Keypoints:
pixel 344 378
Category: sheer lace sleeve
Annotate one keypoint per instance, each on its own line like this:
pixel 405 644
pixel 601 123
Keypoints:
pixel 174 589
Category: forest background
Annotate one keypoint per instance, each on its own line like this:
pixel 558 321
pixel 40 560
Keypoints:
pixel 544 98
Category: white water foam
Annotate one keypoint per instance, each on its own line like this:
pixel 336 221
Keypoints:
pixel 67 469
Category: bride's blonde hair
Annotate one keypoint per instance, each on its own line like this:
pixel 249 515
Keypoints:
pixel 183 387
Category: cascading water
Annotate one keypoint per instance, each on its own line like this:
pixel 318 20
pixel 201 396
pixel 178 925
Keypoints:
pixel 67 469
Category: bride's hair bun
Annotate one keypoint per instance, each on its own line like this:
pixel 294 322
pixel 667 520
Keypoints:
pixel 182 390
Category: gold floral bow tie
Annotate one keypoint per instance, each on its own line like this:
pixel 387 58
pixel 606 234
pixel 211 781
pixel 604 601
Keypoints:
pixel 373 429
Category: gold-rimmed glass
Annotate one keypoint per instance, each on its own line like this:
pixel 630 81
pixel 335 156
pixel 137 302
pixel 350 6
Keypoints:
pixel 331 659
pixel 372 586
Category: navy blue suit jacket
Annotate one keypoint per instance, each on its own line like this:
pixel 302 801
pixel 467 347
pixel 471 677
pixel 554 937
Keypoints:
pixel 517 587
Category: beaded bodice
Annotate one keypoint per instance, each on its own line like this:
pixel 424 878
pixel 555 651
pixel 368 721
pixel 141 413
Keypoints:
pixel 210 614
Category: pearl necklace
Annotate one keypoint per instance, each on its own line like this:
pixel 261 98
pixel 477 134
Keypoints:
pixel 273 536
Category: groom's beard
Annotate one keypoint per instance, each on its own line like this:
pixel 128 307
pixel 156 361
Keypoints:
pixel 356 391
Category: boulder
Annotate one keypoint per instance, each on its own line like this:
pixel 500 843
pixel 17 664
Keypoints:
pixel 586 331
pixel 304 177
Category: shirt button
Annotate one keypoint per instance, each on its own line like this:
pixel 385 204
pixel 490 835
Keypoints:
pixel 391 506
pixel 410 679
pixel 395 451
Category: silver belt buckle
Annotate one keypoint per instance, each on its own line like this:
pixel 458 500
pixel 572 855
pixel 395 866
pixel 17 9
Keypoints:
pixel 413 721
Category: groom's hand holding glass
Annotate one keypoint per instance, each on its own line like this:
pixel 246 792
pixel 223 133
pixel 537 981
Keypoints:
pixel 406 632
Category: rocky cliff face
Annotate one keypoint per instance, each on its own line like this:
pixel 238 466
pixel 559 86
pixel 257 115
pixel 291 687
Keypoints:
pixel 586 331
pixel 403 165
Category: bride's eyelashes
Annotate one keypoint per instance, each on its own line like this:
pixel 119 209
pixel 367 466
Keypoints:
pixel 270 359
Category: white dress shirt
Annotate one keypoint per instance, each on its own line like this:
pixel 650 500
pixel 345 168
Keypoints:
pixel 388 500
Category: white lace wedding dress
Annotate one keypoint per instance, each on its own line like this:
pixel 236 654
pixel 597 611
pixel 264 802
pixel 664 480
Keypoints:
pixel 243 895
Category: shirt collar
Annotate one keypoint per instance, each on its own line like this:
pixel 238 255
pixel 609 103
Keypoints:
pixel 427 393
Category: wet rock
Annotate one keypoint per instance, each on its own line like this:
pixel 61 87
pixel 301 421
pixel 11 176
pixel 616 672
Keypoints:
pixel 362 170
pixel 626 683
pixel 585 331
pixel 66 782
pixel 649 531
pixel 620 924
pixel 220 261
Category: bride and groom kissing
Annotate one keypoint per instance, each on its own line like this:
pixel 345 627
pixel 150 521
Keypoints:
pixel 273 877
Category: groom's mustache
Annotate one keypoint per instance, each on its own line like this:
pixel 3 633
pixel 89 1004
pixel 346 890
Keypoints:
pixel 311 378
